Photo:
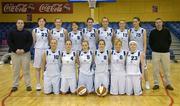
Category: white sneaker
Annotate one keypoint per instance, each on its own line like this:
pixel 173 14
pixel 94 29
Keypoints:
pixel 38 87
pixel 145 67
pixel 1 62
pixel 147 85
pixel 11 62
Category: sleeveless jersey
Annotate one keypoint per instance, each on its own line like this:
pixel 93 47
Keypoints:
pixel 68 64
pixel 133 63
pixel 60 37
pixel 90 36
pixel 123 36
pixel 52 63
pixel 41 38
pixel 106 35
pixel 138 36
pixel 76 39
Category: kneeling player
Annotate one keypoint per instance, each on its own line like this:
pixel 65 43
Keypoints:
pixel 134 75
pixel 101 59
pixel 118 73
pixel 68 70
pixel 51 64
pixel 85 67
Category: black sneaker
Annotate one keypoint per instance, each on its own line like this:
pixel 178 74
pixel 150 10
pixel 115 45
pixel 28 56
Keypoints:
pixel 14 89
pixel 29 88
pixel 156 87
pixel 169 87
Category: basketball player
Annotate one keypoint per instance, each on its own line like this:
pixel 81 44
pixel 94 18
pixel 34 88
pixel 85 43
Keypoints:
pixel 134 75
pixel 122 34
pixel 118 73
pixel 86 71
pixel 41 37
pixel 68 72
pixel 51 64
pixel 76 37
pixel 59 33
pixel 101 59
pixel 90 34
pixel 138 34
pixel 106 33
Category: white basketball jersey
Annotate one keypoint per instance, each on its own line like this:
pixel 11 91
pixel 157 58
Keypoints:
pixel 138 36
pixel 76 39
pixel 118 62
pixel 106 35
pixel 60 37
pixel 101 61
pixel 68 64
pixel 90 36
pixel 133 63
pixel 41 38
pixel 85 59
pixel 52 63
pixel 123 36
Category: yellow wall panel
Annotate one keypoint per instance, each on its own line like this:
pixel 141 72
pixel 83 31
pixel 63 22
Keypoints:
pixel 168 10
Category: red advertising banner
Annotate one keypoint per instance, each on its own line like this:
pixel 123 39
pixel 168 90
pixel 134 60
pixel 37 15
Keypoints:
pixel 36 7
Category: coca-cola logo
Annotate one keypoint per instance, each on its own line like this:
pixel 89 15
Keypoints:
pixel 51 8
pixel 15 8
pixel 36 7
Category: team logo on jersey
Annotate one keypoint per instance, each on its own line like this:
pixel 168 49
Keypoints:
pixel 44 35
pixel 108 34
pixel 78 37
pixel 134 58
pixel 125 35
pixel 88 57
pixel 105 57
pixel 138 34
pixel 56 56
pixel 72 58
pixel 92 34
pixel 120 57
pixel 61 35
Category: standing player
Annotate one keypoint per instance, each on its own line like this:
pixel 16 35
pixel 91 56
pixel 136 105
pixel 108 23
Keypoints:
pixel 122 34
pixel 118 73
pixel 85 67
pixel 133 61
pixel 60 34
pixel 101 59
pixel 68 69
pixel 90 34
pixel 76 37
pixel 41 38
pixel 51 66
pixel 138 34
pixel 106 33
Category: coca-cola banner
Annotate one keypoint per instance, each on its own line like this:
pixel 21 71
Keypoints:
pixel 36 7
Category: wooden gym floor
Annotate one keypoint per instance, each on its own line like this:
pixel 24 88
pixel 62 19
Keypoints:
pixel 159 97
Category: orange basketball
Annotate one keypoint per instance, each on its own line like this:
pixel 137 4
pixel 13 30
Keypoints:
pixel 82 91
pixel 102 91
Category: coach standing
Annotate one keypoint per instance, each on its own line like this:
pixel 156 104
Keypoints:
pixel 160 41
pixel 20 41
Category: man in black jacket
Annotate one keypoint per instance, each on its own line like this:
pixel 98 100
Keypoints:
pixel 160 41
pixel 20 41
